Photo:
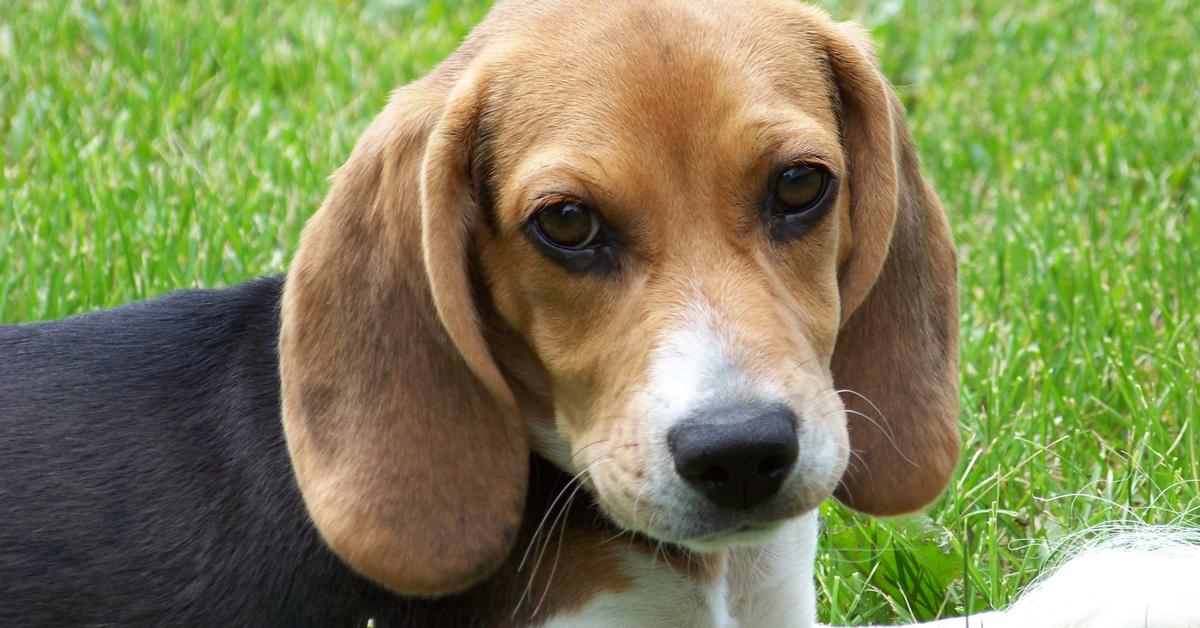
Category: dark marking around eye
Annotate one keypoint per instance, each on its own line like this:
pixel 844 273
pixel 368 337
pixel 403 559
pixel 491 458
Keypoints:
pixel 574 235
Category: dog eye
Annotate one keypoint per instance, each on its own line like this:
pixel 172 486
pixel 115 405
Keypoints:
pixel 799 189
pixel 568 225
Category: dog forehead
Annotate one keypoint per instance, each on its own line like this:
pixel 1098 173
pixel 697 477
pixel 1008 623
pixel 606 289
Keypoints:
pixel 683 88
pixel 653 64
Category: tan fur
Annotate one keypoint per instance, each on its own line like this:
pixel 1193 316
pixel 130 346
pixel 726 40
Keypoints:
pixel 419 330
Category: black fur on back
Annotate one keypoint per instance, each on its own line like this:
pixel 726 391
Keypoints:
pixel 144 480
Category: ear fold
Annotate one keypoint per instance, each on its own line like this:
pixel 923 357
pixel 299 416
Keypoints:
pixel 446 235
pixel 897 352
pixel 407 450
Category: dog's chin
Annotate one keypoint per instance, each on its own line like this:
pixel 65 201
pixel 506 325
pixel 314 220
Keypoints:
pixel 713 534
pixel 747 534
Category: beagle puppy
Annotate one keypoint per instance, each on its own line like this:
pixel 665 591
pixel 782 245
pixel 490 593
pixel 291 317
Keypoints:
pixel 591 321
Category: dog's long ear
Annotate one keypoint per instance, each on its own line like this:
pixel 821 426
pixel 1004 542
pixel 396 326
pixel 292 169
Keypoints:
pixel 896 358
pixel 402 433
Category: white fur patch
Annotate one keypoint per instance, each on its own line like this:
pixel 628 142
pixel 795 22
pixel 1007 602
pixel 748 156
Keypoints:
pixel 660 597
pixel 687 366
pixel 772 584
pixel 768 586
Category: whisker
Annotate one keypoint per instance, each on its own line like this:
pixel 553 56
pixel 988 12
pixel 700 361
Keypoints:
pixel 864 398
pixel 584 448
pixel 533 541
pixel 562 529
pixel 855 468
pixel 884 428
pixel 616 536
pixel 549 510
pixel 887 433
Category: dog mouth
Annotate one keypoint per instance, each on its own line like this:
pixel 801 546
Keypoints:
pixel 699 529
pixel 712 532
pixel 738 535
pixel 748 533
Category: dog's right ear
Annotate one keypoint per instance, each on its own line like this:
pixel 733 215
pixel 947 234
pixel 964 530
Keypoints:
pixel 896 359
pixel 409 454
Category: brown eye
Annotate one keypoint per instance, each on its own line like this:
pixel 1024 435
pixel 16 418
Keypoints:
pixel 799 188
pixel 568 225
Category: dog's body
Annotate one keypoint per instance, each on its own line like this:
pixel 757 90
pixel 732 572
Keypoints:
pixel 592 320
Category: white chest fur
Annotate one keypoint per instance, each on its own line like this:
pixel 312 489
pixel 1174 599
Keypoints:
pixel 767 586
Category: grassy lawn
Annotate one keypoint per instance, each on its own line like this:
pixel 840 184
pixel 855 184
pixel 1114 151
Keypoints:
pixel 184 145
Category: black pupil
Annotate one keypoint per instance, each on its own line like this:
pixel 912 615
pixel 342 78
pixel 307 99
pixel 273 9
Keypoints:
pixel 798 189
pixel 569 225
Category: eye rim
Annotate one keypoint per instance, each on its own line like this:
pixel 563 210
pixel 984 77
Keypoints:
pixel 789 225
pixel 599 254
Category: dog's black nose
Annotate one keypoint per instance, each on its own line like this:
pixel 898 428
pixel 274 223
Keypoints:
pixel 736 456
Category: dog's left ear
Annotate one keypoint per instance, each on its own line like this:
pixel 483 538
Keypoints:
pixel 407 447
pixel 896 358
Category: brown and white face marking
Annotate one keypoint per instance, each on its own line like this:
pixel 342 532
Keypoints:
pixel 698 299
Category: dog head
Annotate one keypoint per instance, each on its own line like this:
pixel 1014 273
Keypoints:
pixel 681 249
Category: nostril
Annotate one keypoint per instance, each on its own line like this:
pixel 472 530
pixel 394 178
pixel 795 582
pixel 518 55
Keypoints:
pixel 775 466
pixel 708 475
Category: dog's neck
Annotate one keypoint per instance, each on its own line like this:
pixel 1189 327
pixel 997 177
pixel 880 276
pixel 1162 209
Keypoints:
pixel 574 564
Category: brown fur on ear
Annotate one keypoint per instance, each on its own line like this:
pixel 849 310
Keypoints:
pixel 896 358
pixel 406 446
pixel 446 235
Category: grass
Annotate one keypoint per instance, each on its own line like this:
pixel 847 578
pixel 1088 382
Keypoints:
pixel 184 145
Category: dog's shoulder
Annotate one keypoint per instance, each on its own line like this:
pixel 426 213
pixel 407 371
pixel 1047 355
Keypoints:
pixel 124 432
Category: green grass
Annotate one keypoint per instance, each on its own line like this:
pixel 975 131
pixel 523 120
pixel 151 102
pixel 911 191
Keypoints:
pixel 184 145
